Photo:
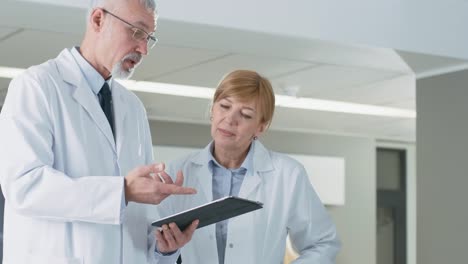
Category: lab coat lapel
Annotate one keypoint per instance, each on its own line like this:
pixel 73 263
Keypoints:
pixel 261 163
pixel 204 175
pixel 120 111
pixel 250 183
pixel 83 94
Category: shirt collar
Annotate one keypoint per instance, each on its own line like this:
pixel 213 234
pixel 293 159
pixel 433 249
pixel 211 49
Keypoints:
pixel 92 76
pixel 246 164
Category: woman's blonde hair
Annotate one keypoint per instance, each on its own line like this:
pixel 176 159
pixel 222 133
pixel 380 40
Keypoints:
pixel 246 85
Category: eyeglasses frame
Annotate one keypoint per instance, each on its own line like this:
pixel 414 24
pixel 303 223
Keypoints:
pixel 134 28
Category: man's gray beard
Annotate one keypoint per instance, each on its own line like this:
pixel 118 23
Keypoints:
pixel 119 72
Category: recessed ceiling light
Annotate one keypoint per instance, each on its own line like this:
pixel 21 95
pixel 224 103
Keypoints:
pixel 281 100
pixel 9 72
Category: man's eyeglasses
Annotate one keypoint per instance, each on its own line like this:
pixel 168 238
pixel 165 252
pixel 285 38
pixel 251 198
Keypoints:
pixel 138 33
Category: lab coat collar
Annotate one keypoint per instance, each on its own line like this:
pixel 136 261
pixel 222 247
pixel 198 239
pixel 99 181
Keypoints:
pixel 261 163
pixel 261 157
pixel 71 73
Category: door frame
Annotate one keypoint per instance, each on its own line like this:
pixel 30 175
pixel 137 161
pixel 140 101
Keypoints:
pixel 411 193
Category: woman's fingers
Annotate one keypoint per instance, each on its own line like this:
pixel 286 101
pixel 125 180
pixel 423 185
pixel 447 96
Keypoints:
pixel 170 238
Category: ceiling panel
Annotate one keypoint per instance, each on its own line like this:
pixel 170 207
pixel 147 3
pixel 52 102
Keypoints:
pixel 317 120
pixel 208 74
pixel 286 46
pixel 346 124
pixel 175 108
pixel 383 127
pixel 390 129
pixel 31 47
pixel 421 63
pixel 6 31
pixel 165 59
pixel 389 91
pixel 323 81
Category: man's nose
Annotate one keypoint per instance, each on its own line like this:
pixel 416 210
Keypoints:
pixel 143 47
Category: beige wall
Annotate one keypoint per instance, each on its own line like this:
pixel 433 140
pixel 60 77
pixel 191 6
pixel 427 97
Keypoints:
pixel 442 165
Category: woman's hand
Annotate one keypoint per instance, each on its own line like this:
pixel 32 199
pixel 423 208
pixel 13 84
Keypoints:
pixel 170 238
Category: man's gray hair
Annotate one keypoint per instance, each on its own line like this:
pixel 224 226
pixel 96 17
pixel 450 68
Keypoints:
pixel 150 5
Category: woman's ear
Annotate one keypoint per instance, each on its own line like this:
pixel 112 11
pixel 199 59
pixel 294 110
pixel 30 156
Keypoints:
pixel 261 129
pixel 211 112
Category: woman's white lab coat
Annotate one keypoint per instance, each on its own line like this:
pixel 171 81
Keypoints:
pixel 55 147
pixel 290 206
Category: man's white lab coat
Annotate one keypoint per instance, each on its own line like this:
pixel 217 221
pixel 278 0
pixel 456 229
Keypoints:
pixel 62 171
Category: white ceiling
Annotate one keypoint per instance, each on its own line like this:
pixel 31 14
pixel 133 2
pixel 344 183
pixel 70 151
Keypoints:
pixel 200 55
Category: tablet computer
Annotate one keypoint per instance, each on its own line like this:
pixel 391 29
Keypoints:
pixel 211 212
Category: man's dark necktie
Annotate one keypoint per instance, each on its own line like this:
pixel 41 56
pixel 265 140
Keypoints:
pixel 105 99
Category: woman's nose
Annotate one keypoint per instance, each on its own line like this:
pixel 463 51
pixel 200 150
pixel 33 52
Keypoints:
pixel 231 117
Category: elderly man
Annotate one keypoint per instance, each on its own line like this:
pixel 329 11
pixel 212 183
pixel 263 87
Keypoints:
pixel 76 163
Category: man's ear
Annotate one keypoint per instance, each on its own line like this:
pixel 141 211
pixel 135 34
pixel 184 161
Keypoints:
pixel 96 19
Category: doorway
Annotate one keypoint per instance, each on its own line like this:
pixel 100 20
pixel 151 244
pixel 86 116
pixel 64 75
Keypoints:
pixel 391 206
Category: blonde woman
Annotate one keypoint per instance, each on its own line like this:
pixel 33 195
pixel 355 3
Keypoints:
pixel 237 163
